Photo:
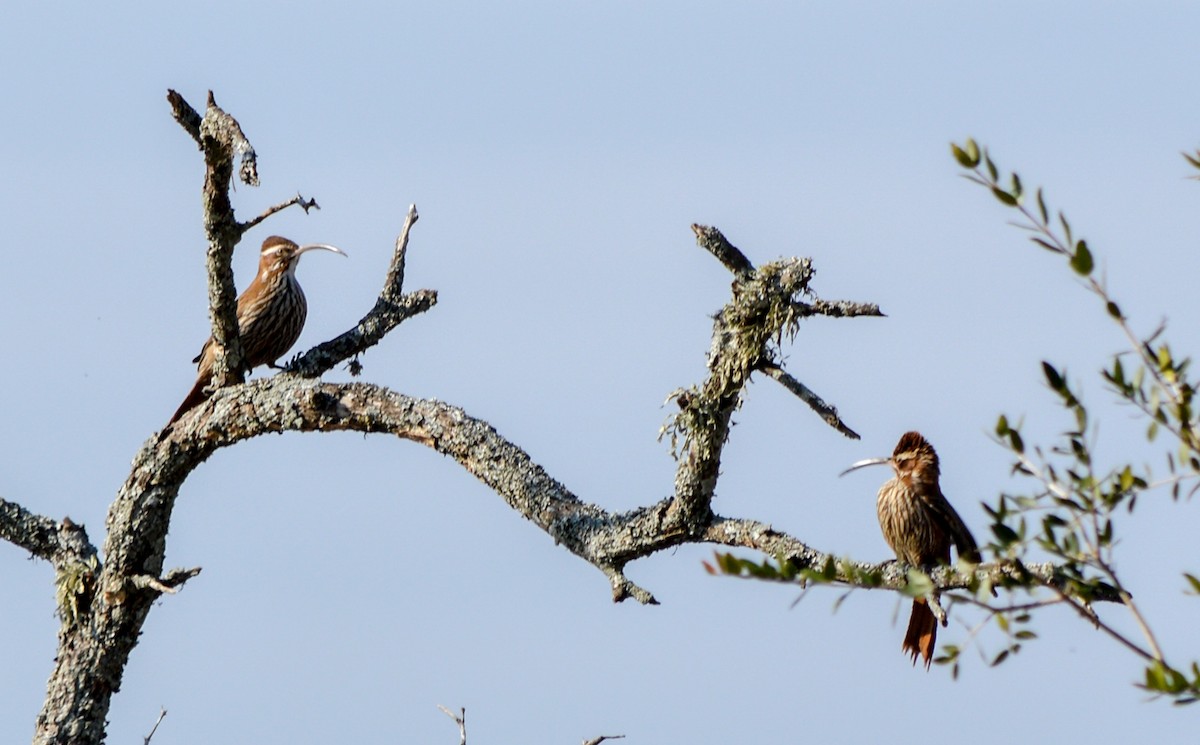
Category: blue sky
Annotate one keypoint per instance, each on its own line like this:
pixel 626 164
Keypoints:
pixel 558 153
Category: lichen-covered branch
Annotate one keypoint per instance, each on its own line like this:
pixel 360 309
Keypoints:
pixel 840 309
pixel 391 309
pixel 220 137
pixel 103 607
pixel 747 332
pixel 804 393
pixel 36 534
pixel 222 141
pixel 715 242
pixel 296 201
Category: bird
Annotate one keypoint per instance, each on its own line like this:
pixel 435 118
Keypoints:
pixel 919 525
pixel 270 315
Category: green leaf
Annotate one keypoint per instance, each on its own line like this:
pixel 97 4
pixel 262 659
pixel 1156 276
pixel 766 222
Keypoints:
pixel 1052 376
pixel 1016 186
pixel 964 157
pixel 1126 479
pixel 1082 261
pixel 1066 226
pixel 1004 534
pixel 1164 357
pixel 1113 310
pixel 991 167
pixel 1002 426
pixel 1194 582
pixel 1004 196
pixel 1015 441
pixel 919 584
pixel 973 149
pixel 1042 207
pixel 1190 159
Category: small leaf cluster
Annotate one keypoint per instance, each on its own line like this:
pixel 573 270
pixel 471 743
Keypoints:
pixel 1061 241
pixel 1163 680
pixel 783 569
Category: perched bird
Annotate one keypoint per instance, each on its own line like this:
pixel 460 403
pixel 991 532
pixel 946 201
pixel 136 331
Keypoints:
pixel 270 315
pixel 919 524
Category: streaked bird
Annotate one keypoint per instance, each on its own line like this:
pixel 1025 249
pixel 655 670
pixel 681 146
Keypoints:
pixel 270 315
pixel 919 524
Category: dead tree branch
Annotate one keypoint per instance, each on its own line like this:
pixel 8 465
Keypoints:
pixel 161 715
pixel 391 309
pixel 460 719
pixel 36 534
pixel 297 201
pixel 103 607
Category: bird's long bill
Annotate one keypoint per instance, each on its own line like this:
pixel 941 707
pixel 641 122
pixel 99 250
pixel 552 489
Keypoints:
pixel 865 463
pixel 325 246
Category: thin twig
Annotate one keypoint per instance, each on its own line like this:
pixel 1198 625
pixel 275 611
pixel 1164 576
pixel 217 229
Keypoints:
pixel 391 308
pixel 169 584
pixel 161 714
pixel 393 285
pixel 827 412
pixel 842 309
pixel 460 719
pixel 305 204
pixel 935 605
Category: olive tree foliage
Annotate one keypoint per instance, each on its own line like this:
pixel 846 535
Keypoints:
pixel 1073 497
pixel 106 590
pixel 1066 515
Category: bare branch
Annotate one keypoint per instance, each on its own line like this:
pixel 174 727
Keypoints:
pixel 304 204
pixel 220 138
pixel 169 584
pixel 36 534
pixel 185 115
pixel 935 605
pixel 393 285
pixel 623 589
pixel 713 241
pixel 460 719
pixel 828 413
pixel 607 540
pixel 391 309
pixel 224 129
pixel 842 309
pixel 161 715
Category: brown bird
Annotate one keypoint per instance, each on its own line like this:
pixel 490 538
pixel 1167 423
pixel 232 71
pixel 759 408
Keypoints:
pixel 919 524
pixel 270 315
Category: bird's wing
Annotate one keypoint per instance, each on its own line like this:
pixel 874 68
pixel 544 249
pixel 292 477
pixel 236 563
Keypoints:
pixel 954 527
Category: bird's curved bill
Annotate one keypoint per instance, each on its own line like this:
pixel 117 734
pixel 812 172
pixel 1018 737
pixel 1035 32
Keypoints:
pixel 323 246
pixel 865 463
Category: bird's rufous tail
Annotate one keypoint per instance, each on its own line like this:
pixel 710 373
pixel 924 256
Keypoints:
pixel 194 398
pixel 922 632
